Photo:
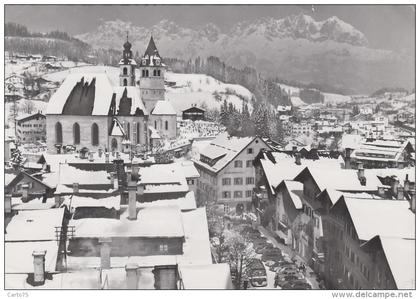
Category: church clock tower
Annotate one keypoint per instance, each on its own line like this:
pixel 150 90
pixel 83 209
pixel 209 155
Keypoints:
pixel 152 73
pixel 127 66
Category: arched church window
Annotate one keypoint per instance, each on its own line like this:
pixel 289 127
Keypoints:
pixel 154 73
pixel 155 124
pixel 125 71
pixel 125 82
pixel 95 134
pixel 138 133
pixel 158 73
pixel 166 125
pixel 128 131
pixel 114 144
pixel 58 133
pixel 76 133
pixel 147 73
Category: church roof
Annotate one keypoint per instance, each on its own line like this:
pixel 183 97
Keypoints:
pixel 131 61
pixel 163 108
pixel 116 128
pixel 93 94
pixel 151 48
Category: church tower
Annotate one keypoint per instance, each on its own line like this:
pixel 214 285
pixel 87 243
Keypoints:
pixel 152 72
pixel 127 66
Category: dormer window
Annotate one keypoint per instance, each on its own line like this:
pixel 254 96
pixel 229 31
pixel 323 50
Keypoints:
pixel 143 61
pixel 157 61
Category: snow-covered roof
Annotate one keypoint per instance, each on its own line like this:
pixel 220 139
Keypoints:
pixel 163 108
pixel 36 225
pixel 133 92
pixel 109 202
pixel 189 169
pixel 163 178
pixel 130 62
pixel 401 256
pixel 152 221
pixel 296 192
pixel 102 93
pixel 19 259
pixel 388 218
pixel 213 276
pixel 226 148
pixel 401 174
pixel 185 203
pixel 35 204
pixel 70 174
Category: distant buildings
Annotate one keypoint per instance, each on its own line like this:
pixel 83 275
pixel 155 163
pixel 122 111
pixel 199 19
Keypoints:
pixel 31 128
pixel 193 113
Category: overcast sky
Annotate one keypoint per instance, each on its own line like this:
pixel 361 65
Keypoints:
pixel 385 26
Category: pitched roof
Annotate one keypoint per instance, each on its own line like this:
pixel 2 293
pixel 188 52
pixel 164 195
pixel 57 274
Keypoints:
pixel 388 218
pixel 151 48
pixel 122 93
pixel 163 108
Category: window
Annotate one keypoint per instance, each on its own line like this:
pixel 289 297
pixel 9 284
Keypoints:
pixel 226 181
pixel 155 124
pixel 249 163
pixel 125 82
pixel 250 151
pixel 76 133
pixel 237 194
pixel 250 181
pixel 238 181
pixel 238 164
pixel 158 73
pixel 125 71
pixel 166 125
pixel 163 247
pixel 138 132
pixel 58 133
pixel 95 134
pixel 114 144
pixel 226 194
pixel 128 131
pixel 248 193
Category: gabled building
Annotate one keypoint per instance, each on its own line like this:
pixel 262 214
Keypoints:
pixel 226 171
pixel 31 128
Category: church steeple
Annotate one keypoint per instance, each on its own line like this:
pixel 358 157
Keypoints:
pixel 151 48
pixel 127 66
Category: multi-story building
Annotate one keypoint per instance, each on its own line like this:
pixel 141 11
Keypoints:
pixel 31 128
pixel 227 174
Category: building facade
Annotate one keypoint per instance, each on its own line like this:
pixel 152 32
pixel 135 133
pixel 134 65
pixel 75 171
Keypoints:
pixel 31 128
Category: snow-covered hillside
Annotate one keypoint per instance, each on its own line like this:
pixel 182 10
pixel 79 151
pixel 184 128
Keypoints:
pixel 185 90
pixel 333 98
pixel 22 105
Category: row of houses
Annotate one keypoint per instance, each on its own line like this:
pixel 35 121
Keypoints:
pixel 348 224
pixel 105 221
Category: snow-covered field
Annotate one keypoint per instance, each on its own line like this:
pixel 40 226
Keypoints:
pixel 21 104
pixel 332 98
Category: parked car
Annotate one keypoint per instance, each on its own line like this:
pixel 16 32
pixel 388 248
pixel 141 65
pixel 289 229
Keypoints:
pixel 262 247
pixel 298 285
pixel 273 254
pixel 279 264
pixel 283 280
pixel 256 272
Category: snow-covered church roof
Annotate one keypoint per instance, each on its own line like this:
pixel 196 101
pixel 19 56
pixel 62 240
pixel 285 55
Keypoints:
pixel 93 94
pixel 163 108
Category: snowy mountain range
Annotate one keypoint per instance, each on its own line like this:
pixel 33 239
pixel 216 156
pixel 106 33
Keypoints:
pixel 292 48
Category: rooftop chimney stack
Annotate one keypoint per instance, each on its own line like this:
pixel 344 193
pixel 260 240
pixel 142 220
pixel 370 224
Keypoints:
pixel 132 197
pixel 39 267
pixel 131 274
pixel 294 149
pixel 412 193
pixel 25 192
pixel 361 174
pixel 75 188
pixel 347 153
pixel 406 183
pixel 8 203
pixel 105 252
pixel 298 159
pixel 100 153
pixel 400 193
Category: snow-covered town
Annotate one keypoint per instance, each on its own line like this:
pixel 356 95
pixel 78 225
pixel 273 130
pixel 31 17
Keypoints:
pixel 136 175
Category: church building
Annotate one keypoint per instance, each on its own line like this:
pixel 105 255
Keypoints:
pixel 87 111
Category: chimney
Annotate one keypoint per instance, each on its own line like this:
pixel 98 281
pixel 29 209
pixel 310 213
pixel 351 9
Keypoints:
pixel 412 193
pixel 91 157
pixel 25 192
pixel 58 200
pixel 119 168
pixel 406 183
pixel 298 159
pixel 75 188
pixel 395 185
pixel 106 157
pixel 8 203
pixel 294 148
pixel 100 153
pixel 39 267
pixel 132 197
pixel 381 191
pixel 400 193
pixel 131 274
pixel 361 174
pixel 347 153
pixel 105 252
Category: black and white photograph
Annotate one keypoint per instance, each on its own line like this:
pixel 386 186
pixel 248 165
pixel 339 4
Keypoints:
pixel 264 147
